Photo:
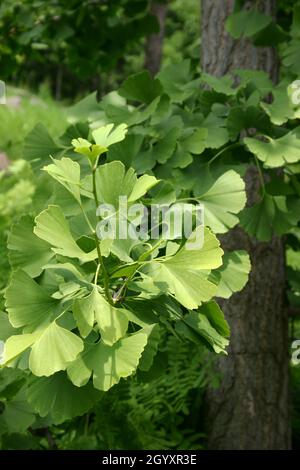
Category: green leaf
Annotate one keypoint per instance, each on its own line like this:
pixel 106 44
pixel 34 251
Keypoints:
pixel 234 273
pixel 27 251
pixel 84 147
pixel 54 350
pixel 198 327
pixel 177 81
pixel 186 273
pixel 217 134
pixel 225 198
pixel 195 143
pixel 224 85
pixel 18 415
pixel 114 181
pixel 52 226
pixel 272 215
pixel 141 87
pixel 142 186
pixel 39 146
pixel 277 152
pixel 6 329
pixel 17 344
pixel 214 314
pixel 108 135
pixel 243 118
pixel 151 348
pixel 57 396
pixel 27 303
pixel 281 109
pixel 109 363
pixel 111 321
pixel 246 23
pixel 127 151
pixel 67 173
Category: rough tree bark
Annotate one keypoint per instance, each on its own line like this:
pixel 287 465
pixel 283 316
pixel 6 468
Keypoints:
pixel 154 44
pixel 250 410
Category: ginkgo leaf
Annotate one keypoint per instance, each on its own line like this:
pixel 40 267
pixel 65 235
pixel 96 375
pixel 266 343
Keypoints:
pixel 217 134
pixel 177 80
pixel 224 85
pixel 111 321
pixel 84 147
pixel 27 251
pixel 234 273
pixel 55 348
pixel 17 414
pixel 27 303
pixel 195 143
pixel 108 135
pixel 67 173
pixel 222 201
pixel 17 344
pixel 186 273
pixel 243 118
pixel 204 326
pixel 272 215
pixel 276 152
pixel 6 329
pixel 150 350
pixel 39 145
pixel 142 186
pixel 109 364
pixel 127 151
pixel 58 397
pixel 281 110
pixel 247 23
pixel 140 87
pixel 52 226
pixel 114 181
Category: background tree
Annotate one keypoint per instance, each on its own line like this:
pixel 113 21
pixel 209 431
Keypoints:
pixel 251 408
pixel 154 43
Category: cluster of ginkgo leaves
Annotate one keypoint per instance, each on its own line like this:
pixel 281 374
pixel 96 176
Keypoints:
pixel 83 313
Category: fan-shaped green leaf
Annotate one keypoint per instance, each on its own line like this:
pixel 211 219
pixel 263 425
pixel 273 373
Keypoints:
pixel 52 226
pixel 141 87
pixel 225 198
pixel 57 396
pixel 247 23
pixel 27 303
pixel 54 350
pixel 272 215
pixel 111 321
pixel 186 273
pixel 109 363
pixel 277 152
pixel 67 173
pixel 198 327
pixel 234 273
pixel 27 251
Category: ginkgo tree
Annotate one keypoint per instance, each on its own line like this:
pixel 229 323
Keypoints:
pixel 89 312
pixel 84 312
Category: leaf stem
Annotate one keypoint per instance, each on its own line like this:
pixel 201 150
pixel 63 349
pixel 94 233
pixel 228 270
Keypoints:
pixel 236 144
pixel 87 219
pixel 100 259
pixel 261 177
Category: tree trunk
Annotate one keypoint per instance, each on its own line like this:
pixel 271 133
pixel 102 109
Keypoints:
pixel 154 44
pixel 250 410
